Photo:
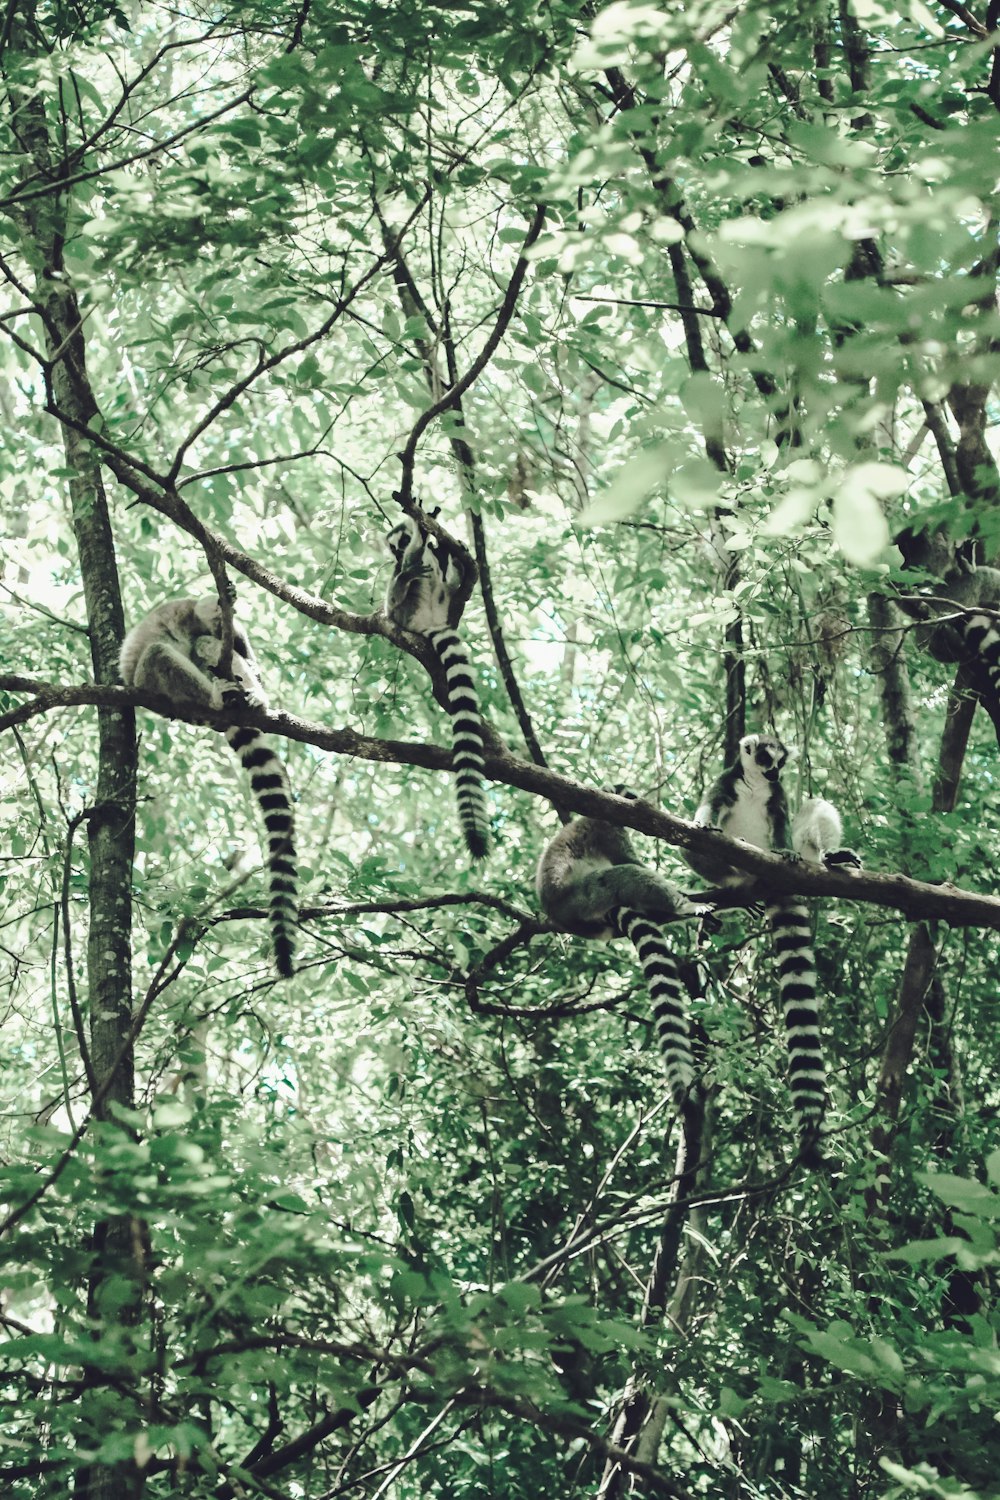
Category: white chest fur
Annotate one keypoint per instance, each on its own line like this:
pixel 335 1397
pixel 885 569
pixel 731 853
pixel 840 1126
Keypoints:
pixel 748 818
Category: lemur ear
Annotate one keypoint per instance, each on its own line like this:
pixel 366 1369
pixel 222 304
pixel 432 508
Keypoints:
pixel 748 744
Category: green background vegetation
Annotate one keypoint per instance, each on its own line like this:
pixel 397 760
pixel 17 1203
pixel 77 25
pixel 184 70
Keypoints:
pixel 409 1224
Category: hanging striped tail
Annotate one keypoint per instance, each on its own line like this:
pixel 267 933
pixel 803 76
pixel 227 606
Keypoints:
pixel 981 635
pixel 466 740
pixel 666 993
pixel 796 962
pixel 270 787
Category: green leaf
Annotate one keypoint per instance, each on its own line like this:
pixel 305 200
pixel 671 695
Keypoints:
pixel 860 528
pixel 171 1113
pixel 918 1251
pixel 963 1192
pixel 634 482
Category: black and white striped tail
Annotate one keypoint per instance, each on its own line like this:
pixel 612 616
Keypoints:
pixel 466 740
pixel 981 635
pixel 796 963
pixel 270 787
pixel 666 993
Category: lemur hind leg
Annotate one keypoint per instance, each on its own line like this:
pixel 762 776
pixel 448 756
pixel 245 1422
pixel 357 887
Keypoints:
pixel 590 899
pixel 164 669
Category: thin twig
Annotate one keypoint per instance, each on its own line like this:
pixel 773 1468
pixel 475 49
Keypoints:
pixel 408 456
pixel 500 645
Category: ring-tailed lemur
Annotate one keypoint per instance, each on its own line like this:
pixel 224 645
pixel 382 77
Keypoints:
pixel 174 652
pixel 955 625
pixel 419 594
pixel 817 833
pixel 748 803
pixel 591 884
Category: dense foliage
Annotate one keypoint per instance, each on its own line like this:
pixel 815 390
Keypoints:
pixel 679 315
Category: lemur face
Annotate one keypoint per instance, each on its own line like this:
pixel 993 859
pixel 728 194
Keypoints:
pixel 763 754
pixel 401 537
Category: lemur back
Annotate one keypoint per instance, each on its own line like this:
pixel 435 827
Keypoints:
pixel 418 599
pixel 590 883
pixel 956 624
pixel 174 652
pixel 748 803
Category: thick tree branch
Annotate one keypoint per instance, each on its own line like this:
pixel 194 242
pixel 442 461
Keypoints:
pixel 914 898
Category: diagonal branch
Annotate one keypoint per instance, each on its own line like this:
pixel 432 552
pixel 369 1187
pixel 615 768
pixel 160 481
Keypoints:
pixel 412 301
pixel 265 365
pixel 408 456
pixel 916 899
pixel 500 645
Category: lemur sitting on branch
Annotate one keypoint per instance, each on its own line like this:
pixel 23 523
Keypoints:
pixel 175 651
pixel 590 883
pixel 426 575
pixel 748 803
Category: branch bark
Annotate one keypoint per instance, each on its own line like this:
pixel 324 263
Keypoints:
pixel 117 1251
pixel 915 899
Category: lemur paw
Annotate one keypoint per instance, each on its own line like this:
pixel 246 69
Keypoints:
pixel 789 856
pixel 208 649
pixel 709 922
pixel 234 695
pixel 843 859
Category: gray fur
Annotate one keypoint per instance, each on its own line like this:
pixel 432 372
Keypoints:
pixel 590 883
pixel 817 835
pixel 588 869
pixel 958 606
pixel 419 599
pixel 173 652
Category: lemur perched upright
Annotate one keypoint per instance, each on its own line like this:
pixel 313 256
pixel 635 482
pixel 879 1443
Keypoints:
pixel 590 883
pixel 748 803
pixel 174 652
pixel 418 598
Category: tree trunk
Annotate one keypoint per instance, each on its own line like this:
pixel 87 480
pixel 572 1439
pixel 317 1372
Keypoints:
pixel 118 1256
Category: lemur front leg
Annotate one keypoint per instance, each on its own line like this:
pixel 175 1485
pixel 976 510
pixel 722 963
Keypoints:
pixel 163 668
pixel 243 688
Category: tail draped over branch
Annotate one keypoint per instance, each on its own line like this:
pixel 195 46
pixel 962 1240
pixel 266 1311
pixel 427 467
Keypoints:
pixel 667 994
pixel 796 963
pixel 270 787
pixel 467 740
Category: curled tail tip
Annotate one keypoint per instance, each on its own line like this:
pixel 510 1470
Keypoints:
pixel 811 1149
pixel 478 844
pixel 284 956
